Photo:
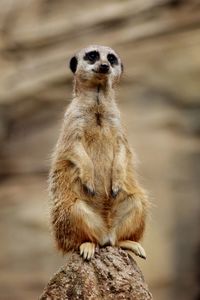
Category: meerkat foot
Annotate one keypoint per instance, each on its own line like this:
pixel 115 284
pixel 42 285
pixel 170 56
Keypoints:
pixel 135 247
pixel 87 250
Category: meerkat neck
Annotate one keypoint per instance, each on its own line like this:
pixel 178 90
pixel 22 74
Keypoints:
pixel 97 97
pixel 98 94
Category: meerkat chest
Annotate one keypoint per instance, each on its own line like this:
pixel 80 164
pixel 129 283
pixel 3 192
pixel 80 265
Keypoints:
pixel 95 135
pixel 98 118
pixel 101 126
pixel 102 118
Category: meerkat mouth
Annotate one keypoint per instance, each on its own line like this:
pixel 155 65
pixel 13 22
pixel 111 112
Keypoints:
pixel 100 73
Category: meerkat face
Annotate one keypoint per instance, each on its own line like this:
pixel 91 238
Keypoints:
pixel 97 65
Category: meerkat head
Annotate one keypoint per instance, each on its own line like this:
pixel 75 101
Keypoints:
pixel 96 65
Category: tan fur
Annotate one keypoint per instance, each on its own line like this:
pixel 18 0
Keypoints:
pixel 92 161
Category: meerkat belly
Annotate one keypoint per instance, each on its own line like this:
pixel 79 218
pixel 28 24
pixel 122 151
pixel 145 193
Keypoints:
pixel 99 147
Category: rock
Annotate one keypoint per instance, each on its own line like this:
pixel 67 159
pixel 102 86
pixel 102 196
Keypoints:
pixel 112 274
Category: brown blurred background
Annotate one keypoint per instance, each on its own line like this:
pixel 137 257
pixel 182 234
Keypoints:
pixel 159 42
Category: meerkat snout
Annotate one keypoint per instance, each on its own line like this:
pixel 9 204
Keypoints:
pixel 104 68
pixel 96 64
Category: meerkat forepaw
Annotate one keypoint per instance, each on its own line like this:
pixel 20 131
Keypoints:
pixel 115 191
pixel 135 247
pixel 89 189
pixel 87 250
pixel 87 180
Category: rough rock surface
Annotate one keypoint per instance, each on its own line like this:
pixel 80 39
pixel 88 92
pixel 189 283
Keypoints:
pixel 112 274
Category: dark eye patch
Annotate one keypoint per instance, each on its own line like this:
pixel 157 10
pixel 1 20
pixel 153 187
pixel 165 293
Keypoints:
pixel 92 56
pixel 112 59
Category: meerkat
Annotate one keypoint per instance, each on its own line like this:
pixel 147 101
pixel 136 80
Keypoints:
pixel 96 198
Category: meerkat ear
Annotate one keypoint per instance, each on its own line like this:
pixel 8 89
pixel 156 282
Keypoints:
pixel 73 64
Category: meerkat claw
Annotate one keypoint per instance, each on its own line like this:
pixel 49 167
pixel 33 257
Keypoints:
pixel 87 250
pixel 89 190
pixel 115 191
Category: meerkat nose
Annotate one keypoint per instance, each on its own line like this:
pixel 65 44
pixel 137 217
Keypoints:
pixel 104 68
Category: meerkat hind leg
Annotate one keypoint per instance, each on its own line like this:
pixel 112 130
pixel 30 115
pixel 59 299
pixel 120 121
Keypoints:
pixel 87 250
pixel 135 247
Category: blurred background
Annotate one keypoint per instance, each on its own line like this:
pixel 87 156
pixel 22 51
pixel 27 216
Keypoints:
pixel 159 97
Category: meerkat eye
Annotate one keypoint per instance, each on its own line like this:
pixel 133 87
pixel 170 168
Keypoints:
pixel 112 59
pixel 92 56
